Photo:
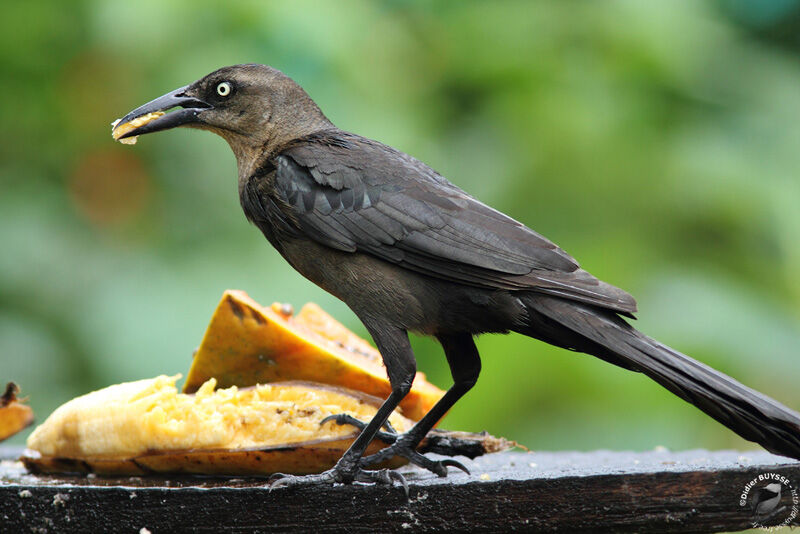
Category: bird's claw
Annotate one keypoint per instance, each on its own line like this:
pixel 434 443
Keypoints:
pixel 281 480
pixel 444 464
pixel 385 477
pixel 398 447
pixel 438 467
pixel 390 436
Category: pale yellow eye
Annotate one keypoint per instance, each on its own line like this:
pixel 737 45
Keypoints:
pixel 224 89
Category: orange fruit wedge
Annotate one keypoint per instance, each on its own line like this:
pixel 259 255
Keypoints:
pixel 14 416
pixel 247 344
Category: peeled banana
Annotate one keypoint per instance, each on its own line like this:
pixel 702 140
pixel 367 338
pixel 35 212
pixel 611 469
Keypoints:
pixel 146 426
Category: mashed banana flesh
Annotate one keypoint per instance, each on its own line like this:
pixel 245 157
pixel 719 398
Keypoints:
pixel 134 418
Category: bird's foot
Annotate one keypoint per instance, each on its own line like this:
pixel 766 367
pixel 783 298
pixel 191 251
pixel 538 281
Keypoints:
pixel 401 445
pixel 348 469
pixel 405 446
pixel 339 475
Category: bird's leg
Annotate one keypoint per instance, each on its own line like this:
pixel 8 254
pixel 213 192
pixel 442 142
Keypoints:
pixel 401 367
pixel 465 366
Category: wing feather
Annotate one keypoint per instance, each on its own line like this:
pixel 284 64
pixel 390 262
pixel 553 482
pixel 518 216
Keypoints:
pixel 354 194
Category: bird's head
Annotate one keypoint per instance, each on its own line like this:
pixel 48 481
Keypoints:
pixel 252 106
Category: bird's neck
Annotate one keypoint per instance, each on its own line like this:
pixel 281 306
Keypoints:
pixel 252 156
pixel 291 115
pixel 248 158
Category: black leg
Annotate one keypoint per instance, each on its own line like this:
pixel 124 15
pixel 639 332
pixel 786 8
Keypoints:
pixel 465 366
pixel 401 367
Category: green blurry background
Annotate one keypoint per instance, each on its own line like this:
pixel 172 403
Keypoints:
pixel 659 143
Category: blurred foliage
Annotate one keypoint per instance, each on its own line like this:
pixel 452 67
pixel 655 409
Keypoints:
pixel 656 142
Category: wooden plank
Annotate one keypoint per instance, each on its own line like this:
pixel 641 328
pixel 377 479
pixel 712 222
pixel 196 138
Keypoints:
pixel 657 491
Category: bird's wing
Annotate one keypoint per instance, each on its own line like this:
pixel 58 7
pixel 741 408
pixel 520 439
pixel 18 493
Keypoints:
pixel 354 194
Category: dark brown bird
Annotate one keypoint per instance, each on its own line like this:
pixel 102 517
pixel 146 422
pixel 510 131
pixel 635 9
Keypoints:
pixel 409 251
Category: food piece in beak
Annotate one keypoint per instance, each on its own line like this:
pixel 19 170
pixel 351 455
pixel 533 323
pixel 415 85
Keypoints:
pixel 156 116
pixel 118 130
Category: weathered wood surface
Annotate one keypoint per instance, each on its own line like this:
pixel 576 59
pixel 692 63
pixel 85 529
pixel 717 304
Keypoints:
pixel 658 491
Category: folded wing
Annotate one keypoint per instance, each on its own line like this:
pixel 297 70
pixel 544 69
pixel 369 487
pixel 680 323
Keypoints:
pixel 354 194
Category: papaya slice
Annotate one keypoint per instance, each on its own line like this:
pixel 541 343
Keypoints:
pixel 147 427
pixel 247 344
pixel 14 416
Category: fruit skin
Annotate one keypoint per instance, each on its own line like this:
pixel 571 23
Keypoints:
pixel 14 416
pixel 297 458
pixel 248 344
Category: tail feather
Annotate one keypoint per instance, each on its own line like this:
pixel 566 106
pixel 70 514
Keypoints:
pixel 586 328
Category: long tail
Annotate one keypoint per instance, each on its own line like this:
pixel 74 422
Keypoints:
pixel 604 334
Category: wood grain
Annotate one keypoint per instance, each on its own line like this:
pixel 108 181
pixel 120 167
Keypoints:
pixel 657 491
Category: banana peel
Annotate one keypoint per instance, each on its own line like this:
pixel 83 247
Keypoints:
pixel 248 344
pixel 299 459
pixel 147 427
pixel 14 416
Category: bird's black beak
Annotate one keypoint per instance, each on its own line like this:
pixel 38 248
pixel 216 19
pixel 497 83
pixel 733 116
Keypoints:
pixel 151 117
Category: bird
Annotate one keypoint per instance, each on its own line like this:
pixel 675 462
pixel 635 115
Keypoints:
pixel 408 251
pixel 766 499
